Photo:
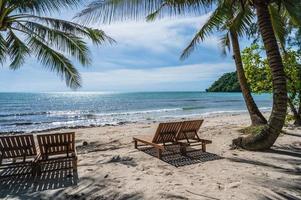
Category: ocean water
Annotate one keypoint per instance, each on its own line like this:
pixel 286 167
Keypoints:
pixel 28 112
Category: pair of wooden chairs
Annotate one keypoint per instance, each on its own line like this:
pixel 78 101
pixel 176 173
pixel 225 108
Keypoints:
pixel 181 134
pixel 23 151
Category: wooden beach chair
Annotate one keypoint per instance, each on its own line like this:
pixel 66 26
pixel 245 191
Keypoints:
pixel 57 147
pixel 189 133
pixel 165 136
pixel 18 147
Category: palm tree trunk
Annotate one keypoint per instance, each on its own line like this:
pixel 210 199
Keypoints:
pixel 268 135
pixel 299 109
pixel 256 116
pixel 298 118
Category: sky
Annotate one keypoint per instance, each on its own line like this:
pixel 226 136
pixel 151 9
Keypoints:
pixel 145 57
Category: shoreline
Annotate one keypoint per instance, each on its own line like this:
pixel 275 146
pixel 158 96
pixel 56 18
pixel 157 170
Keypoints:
pixel 143 121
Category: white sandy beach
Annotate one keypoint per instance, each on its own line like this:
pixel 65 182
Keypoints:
pixel 110 168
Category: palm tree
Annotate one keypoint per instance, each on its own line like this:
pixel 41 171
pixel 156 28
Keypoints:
pixel 234 23
pixel 24 32
pixel 286 33
pixel 268 135
pixel 122 9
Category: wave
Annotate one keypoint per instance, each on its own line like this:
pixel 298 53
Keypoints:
pixel 26 123
pixel 87 113
pixel 63 125
pixel 193 108
pixel 265 108
pixel 22 114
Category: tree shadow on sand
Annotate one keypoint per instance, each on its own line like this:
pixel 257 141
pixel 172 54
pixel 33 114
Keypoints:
pixel 14 182
pixel 56 183
pixel 289 185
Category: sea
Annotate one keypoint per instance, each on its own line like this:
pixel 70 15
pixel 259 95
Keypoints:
pixel 34 112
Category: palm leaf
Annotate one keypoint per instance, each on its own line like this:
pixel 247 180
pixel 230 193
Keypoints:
pixel 278 25
pixel 62 41
pixel 214 22
pixel 17 50
pixel 56 62
pixel 225 43
pixel 43 6
pixel 293 8
pixel 242 21
pixel 3 47
pixel 106 11
pixel 95 35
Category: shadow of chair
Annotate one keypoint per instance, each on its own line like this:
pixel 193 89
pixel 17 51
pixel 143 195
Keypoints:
pixel 175 158
pixel 14 182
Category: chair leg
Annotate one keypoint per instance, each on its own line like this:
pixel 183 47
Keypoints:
pixel 183 150
pixel 159 153
pixel 33 170
pixel 36 169
pixel 203 146
pixel 74 164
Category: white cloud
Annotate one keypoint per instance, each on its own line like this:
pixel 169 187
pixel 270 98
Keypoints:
pixel 158 36
pixel 133 78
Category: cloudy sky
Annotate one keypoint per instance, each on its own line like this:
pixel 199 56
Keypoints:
pixel 145 58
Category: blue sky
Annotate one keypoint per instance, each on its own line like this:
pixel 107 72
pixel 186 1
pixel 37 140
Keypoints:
pixel 145 58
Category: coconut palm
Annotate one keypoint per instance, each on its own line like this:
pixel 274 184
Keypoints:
pixel 24 32
pixel 233 23
pixel 108 10
pixel 286 33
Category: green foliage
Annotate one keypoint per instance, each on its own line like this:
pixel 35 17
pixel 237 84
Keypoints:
pixel 259 77
pixel 258 72
pixel 289 118
pixel 251 130
pixel 226 83
pixel 53 42
pixel 257 69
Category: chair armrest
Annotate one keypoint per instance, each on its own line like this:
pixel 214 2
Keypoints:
pixel 205 141
pixel 183 143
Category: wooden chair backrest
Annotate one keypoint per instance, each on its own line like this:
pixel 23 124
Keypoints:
pixel 56 143
pixel 17 146
pixel 190 129
pixel 166 132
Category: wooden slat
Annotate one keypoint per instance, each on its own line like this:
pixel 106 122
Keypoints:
pixel 56 143
pixel 190 129
pixel 166 132
pixel 17 146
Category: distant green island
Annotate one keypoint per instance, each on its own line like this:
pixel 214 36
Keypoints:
pixel 228 82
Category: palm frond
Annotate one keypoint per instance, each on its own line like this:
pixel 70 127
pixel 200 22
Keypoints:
pixel 154 15
pixel 56 62
pixel 43 6
pixel 106 11
pixel 17 50
pixel 278 25
pixel 3 47
pixel 293 8
pixel 242 21
pixel 62 41
pixel 95 35
pixel 215 20
pixel 225 43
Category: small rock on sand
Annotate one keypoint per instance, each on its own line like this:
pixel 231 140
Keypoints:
pixel 234 185
pixel 168 173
